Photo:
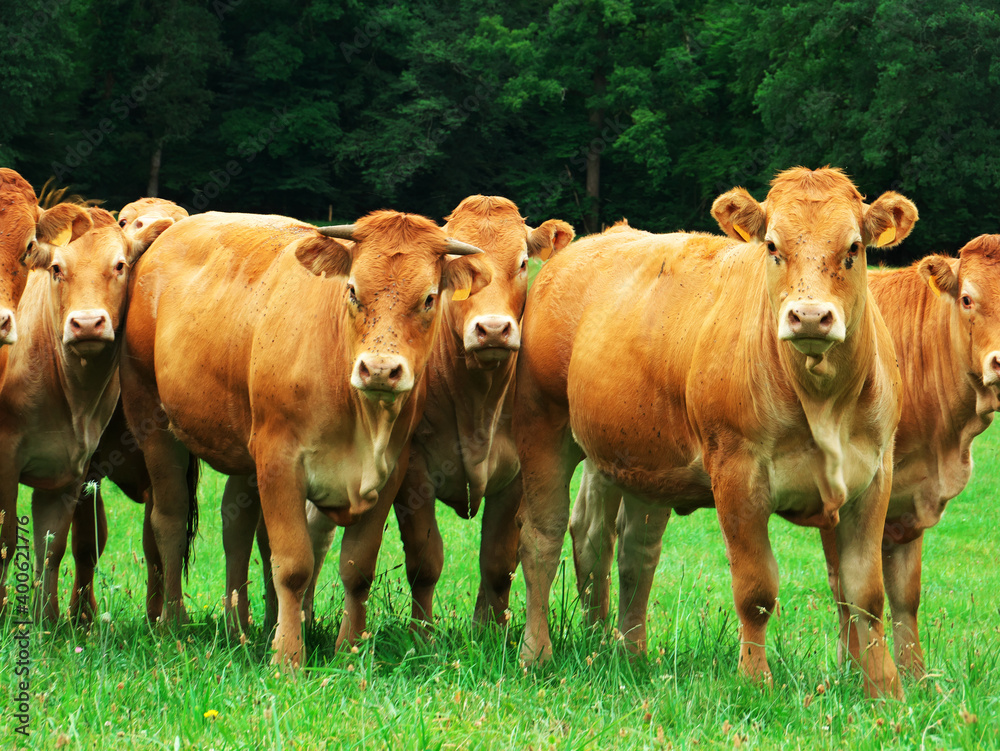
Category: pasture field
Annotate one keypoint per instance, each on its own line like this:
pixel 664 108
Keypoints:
pixel 123 685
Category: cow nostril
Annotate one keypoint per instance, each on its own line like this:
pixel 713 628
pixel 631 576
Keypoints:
pixel 396 373
pixel 506 331
pixel 826 321
pixel 480 331
pixel 995 364
pixel 363 371
pixel 793 319
pixel 74 324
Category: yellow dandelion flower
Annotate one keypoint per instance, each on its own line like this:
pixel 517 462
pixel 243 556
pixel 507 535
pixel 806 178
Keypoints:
pixel 211 714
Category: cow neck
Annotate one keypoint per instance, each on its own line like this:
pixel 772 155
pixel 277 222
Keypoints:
pixel 827 389
pixel 478 396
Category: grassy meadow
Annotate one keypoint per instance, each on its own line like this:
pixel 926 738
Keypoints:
pixel 122 684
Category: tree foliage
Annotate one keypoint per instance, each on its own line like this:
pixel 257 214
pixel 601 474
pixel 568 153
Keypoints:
pixel 591 110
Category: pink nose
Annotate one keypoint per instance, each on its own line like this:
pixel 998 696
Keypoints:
pixel 7 327
pixel 810 321
pixel 380 373
pixel 88 327
pixel 494 331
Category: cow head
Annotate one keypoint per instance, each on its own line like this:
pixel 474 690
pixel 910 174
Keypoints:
pixel 970 284
pixel 489 324
pixel 88 280
pixel 812 232
pixel 138 215
pixel 391 276
pixel 23 226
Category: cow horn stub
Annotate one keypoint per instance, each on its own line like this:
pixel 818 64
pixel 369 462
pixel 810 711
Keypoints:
pixel 339 231
pixel 459 248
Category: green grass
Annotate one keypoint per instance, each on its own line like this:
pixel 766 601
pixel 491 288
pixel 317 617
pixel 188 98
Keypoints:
pixel 136 687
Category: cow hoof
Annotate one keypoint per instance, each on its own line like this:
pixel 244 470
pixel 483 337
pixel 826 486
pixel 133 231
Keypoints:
pixel 532 656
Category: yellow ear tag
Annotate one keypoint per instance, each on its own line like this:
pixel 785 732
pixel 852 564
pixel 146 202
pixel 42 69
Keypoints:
pixel 545 253
pixel 886 237
pixel 63 237
pixel 742 232
pixel 461 294
pixel 933 285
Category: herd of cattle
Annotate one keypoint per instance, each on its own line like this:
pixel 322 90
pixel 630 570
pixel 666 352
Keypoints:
pixel 336 373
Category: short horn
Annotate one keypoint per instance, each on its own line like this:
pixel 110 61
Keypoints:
pixel 459 248
pixel 340 231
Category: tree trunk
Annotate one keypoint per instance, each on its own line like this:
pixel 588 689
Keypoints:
pixel 592 218
pixel 153 189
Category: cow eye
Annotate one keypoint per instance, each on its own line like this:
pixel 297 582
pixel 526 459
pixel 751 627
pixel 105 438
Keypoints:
pixel 56 271
pixel 122 222
pixel 853 251
pixel 120 266
pixel 353 295
pixel 429 302
pixel 966 302
pixel 772 250
pixel 524 265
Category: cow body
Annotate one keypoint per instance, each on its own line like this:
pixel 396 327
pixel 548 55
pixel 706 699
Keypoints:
pixel 61 384
pixel 265 367
pixel 692 371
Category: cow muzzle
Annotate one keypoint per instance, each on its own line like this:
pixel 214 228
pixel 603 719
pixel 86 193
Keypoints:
pixel 812 328
pixel 8 327
pixel 991 370
pixel 381 377
pixel 87 332
pixel 492 338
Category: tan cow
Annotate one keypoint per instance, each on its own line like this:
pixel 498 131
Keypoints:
pixel 61 383
pixel 694 370
pixel 944 325
pixel 944 316
pixel 118 459
pixel 279 351
pixel 23 226
pixel 463 450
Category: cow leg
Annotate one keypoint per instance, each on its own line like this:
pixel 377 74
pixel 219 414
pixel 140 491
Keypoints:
pixel 52 514
pixel 548 458
pixel 743 517
pixel 592 527
pixel 859 541
pixel 640 538
pixel 154 564
pixel 270 594
pixel 423 547
pixel 828 537
pixel 90 535
pixel 322 532
pixel 283 502
pixel 240 517
pixel 901 572
pixel 498 552
pixel 358 558
pixel 167 460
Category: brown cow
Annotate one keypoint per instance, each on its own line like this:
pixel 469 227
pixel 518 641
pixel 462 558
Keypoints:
pixel 118 459
pixel 694 370
pixel 940 314
pixel 945 322
pixel 277 350
pixel 463 449
pixel 61 383
pixel 23 226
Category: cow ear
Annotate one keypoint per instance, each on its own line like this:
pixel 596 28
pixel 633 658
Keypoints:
pixel 465 276
pixel 62 224
pixel 141 237
pixel 889 220
pixel 551 236
pixel 937 271
pixel 324 255
pixel 38 255
pixel 739 215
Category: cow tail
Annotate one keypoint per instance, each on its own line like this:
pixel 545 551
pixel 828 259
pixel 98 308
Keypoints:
pixel 193 472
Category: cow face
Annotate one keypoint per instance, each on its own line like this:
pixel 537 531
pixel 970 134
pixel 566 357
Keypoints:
pixel 971 285
pixel 812 232
pixel 23 226
pixel 88 280
pixel 138 215
pixel 489 324
pixel 391 278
